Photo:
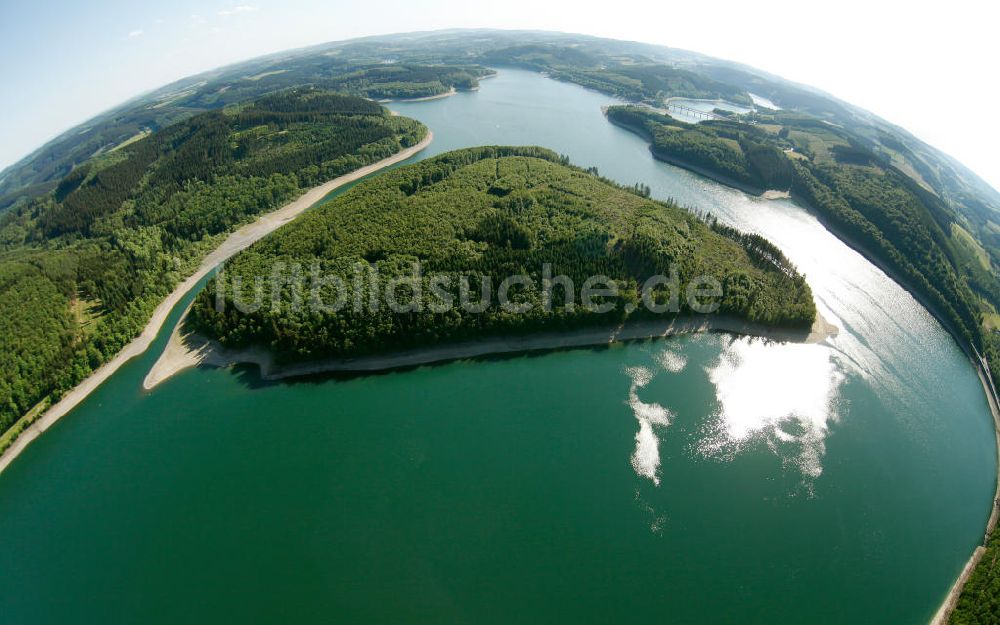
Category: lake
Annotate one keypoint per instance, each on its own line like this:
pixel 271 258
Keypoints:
pixel 700 479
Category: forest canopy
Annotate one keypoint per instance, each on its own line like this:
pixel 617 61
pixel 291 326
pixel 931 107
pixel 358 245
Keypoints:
pixel 489 213
pixel 82 267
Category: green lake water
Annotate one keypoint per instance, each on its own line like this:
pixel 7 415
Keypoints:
pixel 689 480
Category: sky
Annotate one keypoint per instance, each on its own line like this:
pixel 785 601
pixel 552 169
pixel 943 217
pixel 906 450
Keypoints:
pixel 65 61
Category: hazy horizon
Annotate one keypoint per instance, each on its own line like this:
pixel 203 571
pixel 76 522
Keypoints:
pixel 110 51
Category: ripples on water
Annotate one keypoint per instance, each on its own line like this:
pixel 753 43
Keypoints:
pixel 785 395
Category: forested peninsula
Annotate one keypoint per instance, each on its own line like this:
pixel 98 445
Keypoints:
pixel 483 214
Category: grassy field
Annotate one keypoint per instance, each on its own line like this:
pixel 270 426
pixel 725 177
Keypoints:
pixel 274 72
pixel 968 244
pixel 86 312
pixel 818 143
pixel 142 134
pixel 991 321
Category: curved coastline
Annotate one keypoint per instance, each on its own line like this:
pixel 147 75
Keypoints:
pixel 943 613
pixel 186 350
pixel 978 363
pixel 981 366
pixel 235 242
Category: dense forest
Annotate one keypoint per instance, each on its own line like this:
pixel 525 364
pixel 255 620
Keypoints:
pixel 488 213
pixel 828 145
pixel 428 63
pixel 82 267
pixel 369 78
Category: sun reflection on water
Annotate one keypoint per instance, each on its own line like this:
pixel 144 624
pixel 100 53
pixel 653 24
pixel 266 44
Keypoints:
pixel 646 458
pixel 781 393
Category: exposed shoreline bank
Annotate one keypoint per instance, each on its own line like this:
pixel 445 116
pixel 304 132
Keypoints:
pixel 186 350
pixel 426 98
pixel 235 242
pixel 707 173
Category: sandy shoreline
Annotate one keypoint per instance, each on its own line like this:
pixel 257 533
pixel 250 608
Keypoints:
pixel 235 242
pixel 191 350
pixel 426 98
pixel 775 194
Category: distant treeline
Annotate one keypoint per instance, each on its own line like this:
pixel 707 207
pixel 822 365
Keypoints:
pixel 646 82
